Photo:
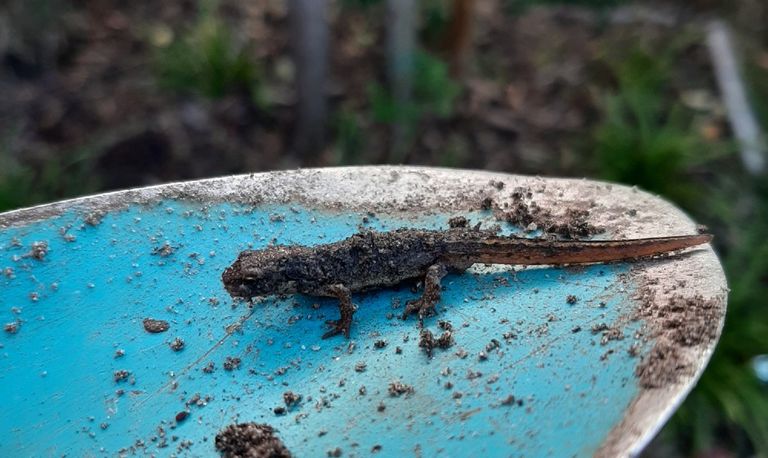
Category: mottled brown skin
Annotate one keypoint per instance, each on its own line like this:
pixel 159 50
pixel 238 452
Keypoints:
pixel 370 260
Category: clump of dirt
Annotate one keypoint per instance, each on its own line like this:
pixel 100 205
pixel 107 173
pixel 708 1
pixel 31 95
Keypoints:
pixel 524 212
pixel 155 326
pixel 458 221
pixel 251 440
pixel 291 399
pixel 38 251
pixel 177 344
pixel 11 328
pixel 164 250
pixel 121 375
pixel 679 322
pixel 428 342
pixel 231 363
pixel 398 388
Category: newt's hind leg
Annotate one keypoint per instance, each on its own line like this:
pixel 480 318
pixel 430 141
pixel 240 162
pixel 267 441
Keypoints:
pixel 425 305
pixel 346 310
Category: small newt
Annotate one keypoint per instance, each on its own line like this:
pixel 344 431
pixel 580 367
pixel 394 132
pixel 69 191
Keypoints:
pixel 371 259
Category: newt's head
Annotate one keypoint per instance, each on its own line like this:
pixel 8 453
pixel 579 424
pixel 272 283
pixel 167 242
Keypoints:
pixel 260 273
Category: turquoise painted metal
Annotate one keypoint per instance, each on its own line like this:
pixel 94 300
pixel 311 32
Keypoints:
pixel 75 290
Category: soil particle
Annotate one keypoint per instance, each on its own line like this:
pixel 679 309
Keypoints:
pixel 38 251
pixel 360 366
pixel 121 375
pixel 164 251
pixel 381 407
pixel 679 322
pixel 398 388
pixel 12 328
pixel 611 334
pixel 376 448
pixel 231 363
pixel 8 273
pixel 119 353
pixel 379 344
pixel 209 368
pixel 291 399
pixel 527 214
pixel 571 299
pixel 177 344
pixel 155 326
pixel 492 345
pixel 181 416
pixel 251 440
pixel 335 453
pixel 428 342
pixel 458 221
pixel 472 375
pixel 508 401
pixel 93 218
pixel 499 185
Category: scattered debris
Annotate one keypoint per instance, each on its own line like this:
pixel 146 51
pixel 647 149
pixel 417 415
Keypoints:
pixel 250 440
pixel 231 363
pixel 397 389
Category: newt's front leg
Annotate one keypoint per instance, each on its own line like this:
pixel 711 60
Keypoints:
pixel 346 310
pixel 425 305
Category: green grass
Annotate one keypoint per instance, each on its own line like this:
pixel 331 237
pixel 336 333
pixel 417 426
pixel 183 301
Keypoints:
pixel 206 60
pixel 646 137
pixel 434 94
pixel 22 186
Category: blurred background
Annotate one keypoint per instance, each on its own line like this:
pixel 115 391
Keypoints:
pixel 671 96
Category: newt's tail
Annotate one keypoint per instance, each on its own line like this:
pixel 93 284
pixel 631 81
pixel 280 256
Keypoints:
pixel 515 250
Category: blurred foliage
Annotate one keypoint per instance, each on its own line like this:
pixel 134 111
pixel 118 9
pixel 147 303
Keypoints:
pixel 434 94
pixel 519 6
pixel 350 137
pixel 207 60
pixel 359 4
pixel 729 396
pixel 22 186
pixel 646 139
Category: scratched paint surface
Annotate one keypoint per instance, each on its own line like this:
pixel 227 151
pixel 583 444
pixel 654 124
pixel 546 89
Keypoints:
pixel 85 300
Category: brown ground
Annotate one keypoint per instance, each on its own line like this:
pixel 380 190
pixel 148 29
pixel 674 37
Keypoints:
pixel 88 89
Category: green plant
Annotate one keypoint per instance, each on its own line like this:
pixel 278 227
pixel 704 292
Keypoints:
pixel 350 138
pixel 644 139
pixel 21 186
pixel 519 6
pixel 207 60
pixel 434 94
